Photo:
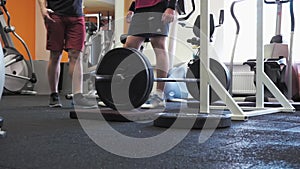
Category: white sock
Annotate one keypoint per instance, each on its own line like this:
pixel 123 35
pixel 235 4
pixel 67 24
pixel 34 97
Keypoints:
pixel 159 93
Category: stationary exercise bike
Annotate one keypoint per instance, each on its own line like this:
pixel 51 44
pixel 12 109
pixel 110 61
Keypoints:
pixel 19 73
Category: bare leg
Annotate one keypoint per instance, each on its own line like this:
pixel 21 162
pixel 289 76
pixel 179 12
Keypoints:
pixel 162 60
pixel 75 70
pixel 134 42
pixel 54 70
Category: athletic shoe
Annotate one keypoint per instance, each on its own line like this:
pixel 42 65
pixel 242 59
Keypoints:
pixel 55 100
pixel 82 102
pixel 154 101
pixel 101 104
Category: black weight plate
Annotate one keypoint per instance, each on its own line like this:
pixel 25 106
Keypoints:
pixel 133 90
pixel 193 121
pixel 219 70
pixel 113 115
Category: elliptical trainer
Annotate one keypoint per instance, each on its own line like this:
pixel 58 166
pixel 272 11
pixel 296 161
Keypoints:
pixel 19 73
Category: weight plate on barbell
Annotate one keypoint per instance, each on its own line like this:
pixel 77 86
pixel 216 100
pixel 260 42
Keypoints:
pixel 136 81
pixel 220 71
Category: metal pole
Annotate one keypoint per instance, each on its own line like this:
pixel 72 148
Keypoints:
pixel 204 55
pixel 290 59
pixel 279 16
pixel 259 56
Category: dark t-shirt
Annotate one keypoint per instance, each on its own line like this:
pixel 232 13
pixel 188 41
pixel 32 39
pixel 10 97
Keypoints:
pixel 66 7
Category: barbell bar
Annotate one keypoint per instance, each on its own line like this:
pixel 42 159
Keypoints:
pixel 119 77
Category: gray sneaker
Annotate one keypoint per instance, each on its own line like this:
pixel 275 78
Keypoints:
pixel 54 100
pixel 154 101
pixel 82 102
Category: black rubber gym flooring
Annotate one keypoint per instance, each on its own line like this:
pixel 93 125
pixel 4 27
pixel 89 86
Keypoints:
pixel 42 138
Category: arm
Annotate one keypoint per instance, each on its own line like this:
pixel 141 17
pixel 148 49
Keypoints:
pixel 44 10
pixel 169 14
pixel 130 12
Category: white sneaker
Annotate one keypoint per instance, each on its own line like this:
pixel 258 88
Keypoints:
pixel 82 102
pixel 154 101
pixel 101 104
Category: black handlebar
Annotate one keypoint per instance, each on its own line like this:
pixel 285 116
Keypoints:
pixel 189 15
pixel 292 15
pixel 234 17
pixel 277 1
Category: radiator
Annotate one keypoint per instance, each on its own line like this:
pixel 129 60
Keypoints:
pixel 243 83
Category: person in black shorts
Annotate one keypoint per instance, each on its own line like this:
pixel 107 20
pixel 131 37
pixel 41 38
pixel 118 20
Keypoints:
pixel 150 19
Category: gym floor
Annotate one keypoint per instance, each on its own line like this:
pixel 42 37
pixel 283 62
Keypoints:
pixel 42 138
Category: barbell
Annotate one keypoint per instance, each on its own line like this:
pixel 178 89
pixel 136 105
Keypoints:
pixel 124 78
pixel 121 77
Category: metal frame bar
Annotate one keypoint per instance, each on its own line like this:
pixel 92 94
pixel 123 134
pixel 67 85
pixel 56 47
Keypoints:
pixel 204 55
pixel 7 40
pixel 209 79
pixel 278 18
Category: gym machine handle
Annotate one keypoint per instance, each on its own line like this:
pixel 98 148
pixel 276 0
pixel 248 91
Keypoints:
pixel 234 16
pixel 221 18
pixel 292 16
pixel 194 41
pixel 276 1
pixel 189 15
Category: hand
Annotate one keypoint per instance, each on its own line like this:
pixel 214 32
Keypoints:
pixel 129 16
pixel 46 12
pixel 168 16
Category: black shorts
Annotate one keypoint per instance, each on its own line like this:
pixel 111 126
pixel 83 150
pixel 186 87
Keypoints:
pixel 146 22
